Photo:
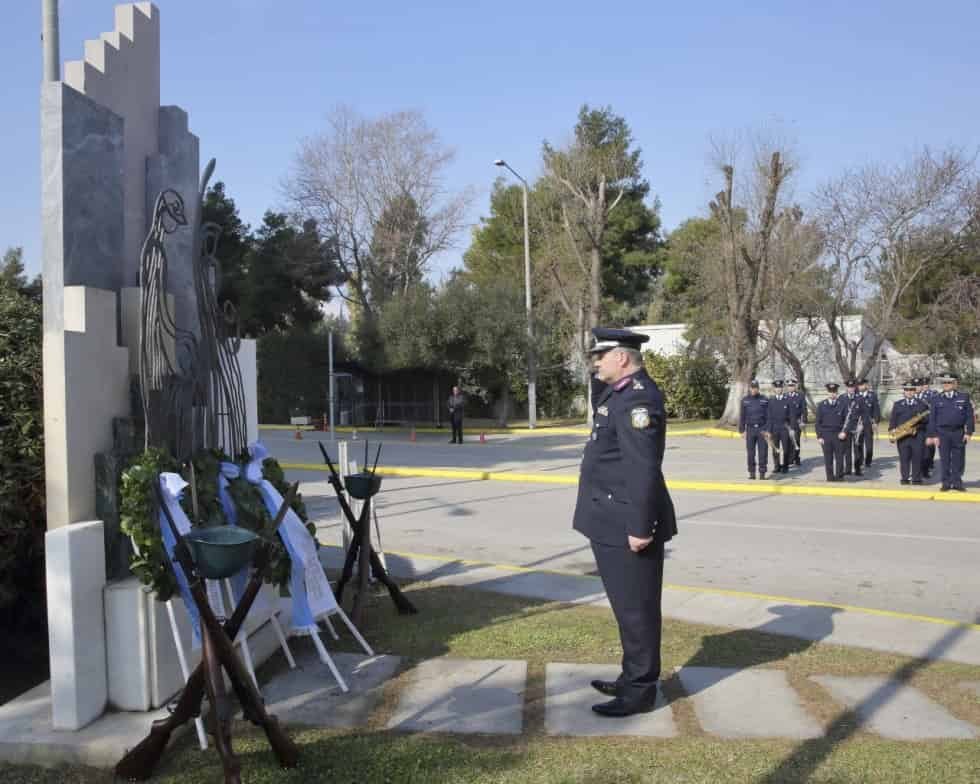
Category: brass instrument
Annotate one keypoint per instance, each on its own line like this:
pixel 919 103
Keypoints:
pixel 908 428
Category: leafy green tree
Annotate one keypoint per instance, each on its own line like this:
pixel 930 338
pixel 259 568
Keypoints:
pixel 12 275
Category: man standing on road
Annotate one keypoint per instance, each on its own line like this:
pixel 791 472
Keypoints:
pixel 456 415
pixel 799 401
pixel 926 394
pixel 950 428
pixel 858 422
pixel 752 422
pixel 782 419
pixel 829 427
pixel 624 509
pixel 910 447
pixel 874 415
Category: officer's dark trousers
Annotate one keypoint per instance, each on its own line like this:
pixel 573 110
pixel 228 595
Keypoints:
pixel 833 456
pixel 756 444
pixel 910 456
pixel 928 458
pixel 952 456
pixel 866 445
pixel 457 423
pixel 634 583
pixel 849 453
pixel 785 454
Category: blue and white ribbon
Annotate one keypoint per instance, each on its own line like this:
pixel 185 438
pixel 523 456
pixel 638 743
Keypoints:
pixel 311 593
pixel 227 472
pixel 172 487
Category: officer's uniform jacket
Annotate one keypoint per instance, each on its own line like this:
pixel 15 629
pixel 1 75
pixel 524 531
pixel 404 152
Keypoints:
pixel 782 413
pixel 873 405
pixel 950 414
pixel 621 489
pixel 903 410
pixel 799 402
pixel 859 412
pixel 754 414
pixel 455 405
pixel 830 417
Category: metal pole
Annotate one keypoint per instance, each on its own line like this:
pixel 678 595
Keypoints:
pixel 330 388
pixel 50 42
pixel 532 393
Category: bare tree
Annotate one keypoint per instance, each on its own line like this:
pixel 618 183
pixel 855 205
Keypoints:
pixel 360 174
pixel 883 228
pixel 748 249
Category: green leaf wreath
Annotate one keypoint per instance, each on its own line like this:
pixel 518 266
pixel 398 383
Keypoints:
pixel 203 508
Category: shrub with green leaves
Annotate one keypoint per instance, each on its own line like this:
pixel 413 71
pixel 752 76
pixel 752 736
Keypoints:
pixel 694 387
pixel 22 515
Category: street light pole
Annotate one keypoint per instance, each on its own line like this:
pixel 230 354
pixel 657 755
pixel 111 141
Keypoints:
pixel 49 38
pixel 532 371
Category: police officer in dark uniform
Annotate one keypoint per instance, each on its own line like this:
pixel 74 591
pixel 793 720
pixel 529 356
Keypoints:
pixel 829 426
pixel 950 428
pixel 624 509
pixel 873 405
pixel 799 400
pixel 752 422
pixel 455 404
pixel 926 394
pixel 782 419
pixel 910 447
pixel 858 422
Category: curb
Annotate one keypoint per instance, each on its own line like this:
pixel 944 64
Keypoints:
pixel 676 484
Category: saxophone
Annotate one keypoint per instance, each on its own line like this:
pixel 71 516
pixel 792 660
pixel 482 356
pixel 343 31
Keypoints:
pixel 908 428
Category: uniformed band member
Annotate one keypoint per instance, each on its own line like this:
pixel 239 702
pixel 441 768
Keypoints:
pixel 926 394
pixel 799 400
pixel 910 447
pixel 782 419
pixel 858 421
pixel 752 421
pixel 624 509
pixel 950 428
pixel 829 426
pixel 873 405
pixel 456 402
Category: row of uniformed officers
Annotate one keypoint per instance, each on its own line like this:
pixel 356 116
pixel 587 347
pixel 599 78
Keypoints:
pixel 846 426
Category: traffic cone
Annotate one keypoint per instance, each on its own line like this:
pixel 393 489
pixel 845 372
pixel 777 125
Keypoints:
pixel 483 438
pixel 411 436
pixel 299 434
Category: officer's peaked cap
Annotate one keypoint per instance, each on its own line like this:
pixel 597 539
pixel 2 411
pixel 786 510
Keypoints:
pixel 754 384
pixel 948 378
pixel 606 339
pixel 777 383
pixel 832 387
pixel 912 383
pixel 850 383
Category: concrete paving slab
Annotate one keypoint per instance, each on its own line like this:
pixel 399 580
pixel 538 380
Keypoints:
pixel 569 700
pixel 464 695
pixel 747 703
pixel 27 737
pixel 310 695
pixel 974 687
pixel 894 710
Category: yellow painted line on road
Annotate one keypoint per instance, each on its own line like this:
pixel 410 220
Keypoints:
pixel 714 591
pixel 770 488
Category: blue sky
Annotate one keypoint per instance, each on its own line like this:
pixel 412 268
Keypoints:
pixel 849 82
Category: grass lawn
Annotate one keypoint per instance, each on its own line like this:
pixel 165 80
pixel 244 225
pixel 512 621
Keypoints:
pixel 467 623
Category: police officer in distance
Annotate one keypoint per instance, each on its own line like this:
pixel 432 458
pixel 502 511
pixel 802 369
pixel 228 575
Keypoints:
pixel 782 419
pixel 752 422
pixel 858 421
pixel 926 394
pixel 910 447
pixel 829 426
pixel 950 428
pixel 874 415
pixel 624 509
pixel 799 400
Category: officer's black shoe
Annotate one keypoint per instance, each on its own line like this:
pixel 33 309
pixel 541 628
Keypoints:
pixel 762 475
pixel 917 481
pixel 796 462
pixel 944 489
pixel 609 688
pixel 867 462
pixel 751 476
pixel 619 707
pixel 960 489
pixel 905 482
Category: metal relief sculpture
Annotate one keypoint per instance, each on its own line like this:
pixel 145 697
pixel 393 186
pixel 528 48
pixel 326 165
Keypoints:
pixel 192 395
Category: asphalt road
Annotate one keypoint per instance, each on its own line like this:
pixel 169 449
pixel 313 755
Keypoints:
pixel 916 557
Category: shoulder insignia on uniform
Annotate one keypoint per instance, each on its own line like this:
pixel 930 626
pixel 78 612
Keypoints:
pixel 640 418
pixel 602 411
pixel 637 385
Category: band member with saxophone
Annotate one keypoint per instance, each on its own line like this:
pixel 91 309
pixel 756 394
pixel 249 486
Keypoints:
pixel 799 400
pixel 907 428
pixel 782 419
pixel 951 426
pixel 858 421
pixel 874 414
pixel 926 394
pixel 830 427
pixel 752 421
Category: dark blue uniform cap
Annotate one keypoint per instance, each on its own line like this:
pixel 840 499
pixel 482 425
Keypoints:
pixel 851 383
pixel 778 384
pixel 832 387
pixel 912 383
pixel 754 384
pixel 606 339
